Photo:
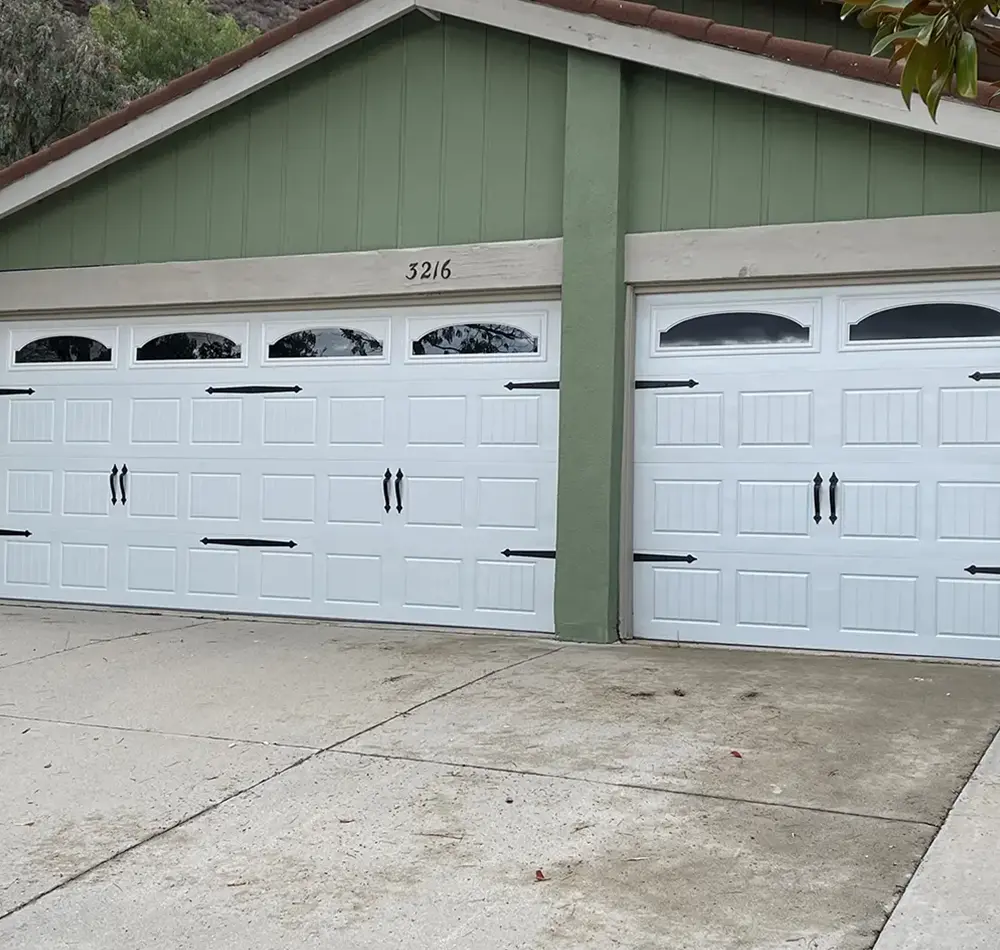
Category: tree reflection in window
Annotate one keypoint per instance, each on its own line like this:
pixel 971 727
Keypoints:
pixel 735 329
pixel 189 346
pixel 324 343
pixel 63 349
pixel 927 321
pixel 465 339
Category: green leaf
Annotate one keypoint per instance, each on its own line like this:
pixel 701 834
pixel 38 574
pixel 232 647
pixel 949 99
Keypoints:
pixel 848 8
pixel 967 66
pixel 910 70
pixel 888 6
pixel 930 65
pixel 933 97
pixel 925 33
pixel 894 38
pixel 914 7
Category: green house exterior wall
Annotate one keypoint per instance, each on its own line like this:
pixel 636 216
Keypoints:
pixel 450 133
pixel 422 134
pixel 707 156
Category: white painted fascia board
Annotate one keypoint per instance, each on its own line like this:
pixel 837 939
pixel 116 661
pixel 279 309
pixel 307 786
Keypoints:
pixel 287 57
pixel 955 245
pixel 813 87
pixel 512 267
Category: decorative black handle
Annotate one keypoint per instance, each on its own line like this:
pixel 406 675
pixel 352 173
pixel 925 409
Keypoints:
pixel 114 497
pixel 385 489
pixel 834 481
pixel 121 483
pixel 399 491
pixel 817 485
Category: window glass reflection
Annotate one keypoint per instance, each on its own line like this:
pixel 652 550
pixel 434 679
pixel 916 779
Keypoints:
pixel 189 346
pixel 325 343
pixel 927 321
pixel 465 339
pixel 63 349
pixel 735 329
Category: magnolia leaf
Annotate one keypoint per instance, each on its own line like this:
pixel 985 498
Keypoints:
pixel 930 63
pixel 888 6
pixel 967 66
pixel 910 70
pixel 892 39
pixel 933 97
pixel 914 7
pixel 901 52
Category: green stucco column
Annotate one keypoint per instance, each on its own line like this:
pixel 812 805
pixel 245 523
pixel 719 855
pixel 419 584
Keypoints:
pixel 592 379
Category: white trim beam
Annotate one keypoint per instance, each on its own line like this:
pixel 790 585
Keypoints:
pixel 512 268
pixel 955 244
pixel 770 77
pixel 301 50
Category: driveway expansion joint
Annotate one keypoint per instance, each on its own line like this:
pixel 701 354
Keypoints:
pixel 637 786
pixel 239 793
pixel 94 643
pixel 158 732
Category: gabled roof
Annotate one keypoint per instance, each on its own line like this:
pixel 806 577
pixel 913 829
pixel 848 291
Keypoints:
pixel 804 72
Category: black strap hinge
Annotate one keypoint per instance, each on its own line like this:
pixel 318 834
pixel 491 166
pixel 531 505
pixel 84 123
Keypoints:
pixel 973 569
pixel 249 543
pixel 664 558
pixel 253 390
pixel 549 555
pixel 14 534
pixel 666 383
pixel 546 384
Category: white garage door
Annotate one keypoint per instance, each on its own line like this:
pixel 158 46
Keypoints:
pixel 821 469
pixel 369 465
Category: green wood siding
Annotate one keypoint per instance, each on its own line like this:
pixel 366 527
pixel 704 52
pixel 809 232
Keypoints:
pixel 424 133
pixel 708 156
pixel 812 20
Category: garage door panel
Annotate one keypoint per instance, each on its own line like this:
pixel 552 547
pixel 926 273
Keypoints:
pixel 337 473
pixel 834 498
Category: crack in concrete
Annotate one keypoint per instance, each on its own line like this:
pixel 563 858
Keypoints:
pixel 158 732
pixel 637 786
pixel 94 643
pixel 268 778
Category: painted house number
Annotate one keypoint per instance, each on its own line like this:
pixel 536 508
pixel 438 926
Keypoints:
pixel 429 270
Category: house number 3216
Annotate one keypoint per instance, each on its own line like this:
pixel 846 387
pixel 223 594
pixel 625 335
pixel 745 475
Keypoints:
pixel 429 270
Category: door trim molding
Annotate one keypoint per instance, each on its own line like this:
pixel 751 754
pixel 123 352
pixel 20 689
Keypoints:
pixel 511 267
pixel 948 246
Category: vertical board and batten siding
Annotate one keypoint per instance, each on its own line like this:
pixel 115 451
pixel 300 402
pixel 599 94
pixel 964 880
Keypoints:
pixel 424 133
pixel 703 155
pixel 815 21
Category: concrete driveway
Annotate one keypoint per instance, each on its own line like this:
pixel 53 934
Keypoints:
pixel 176 781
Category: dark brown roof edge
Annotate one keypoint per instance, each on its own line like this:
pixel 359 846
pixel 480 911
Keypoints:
pixel 756 42
pixel 174 90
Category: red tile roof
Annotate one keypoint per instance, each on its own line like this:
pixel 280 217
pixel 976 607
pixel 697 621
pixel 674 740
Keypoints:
pixel 699 29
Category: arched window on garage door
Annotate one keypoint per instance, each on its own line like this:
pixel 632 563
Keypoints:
pixel 476 339
pixel 63 349
pixel 735 329
pixel 926 321
pixel 190 345
pixel 325 343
